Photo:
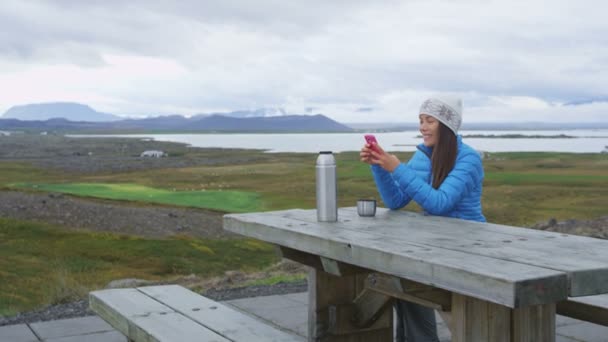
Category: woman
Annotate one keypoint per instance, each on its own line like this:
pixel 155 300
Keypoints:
pixel 444 177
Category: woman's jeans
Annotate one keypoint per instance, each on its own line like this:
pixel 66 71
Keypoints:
pixel 416 322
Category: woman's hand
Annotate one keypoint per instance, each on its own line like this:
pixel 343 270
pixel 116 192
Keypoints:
pixel 377 156
pixel 366 154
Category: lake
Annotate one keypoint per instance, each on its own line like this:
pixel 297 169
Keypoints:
pixel 586 141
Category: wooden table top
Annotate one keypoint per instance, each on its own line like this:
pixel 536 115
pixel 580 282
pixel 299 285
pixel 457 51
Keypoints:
pixel 511 266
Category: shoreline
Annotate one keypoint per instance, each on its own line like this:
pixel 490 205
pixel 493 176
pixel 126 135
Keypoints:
pixel 491 141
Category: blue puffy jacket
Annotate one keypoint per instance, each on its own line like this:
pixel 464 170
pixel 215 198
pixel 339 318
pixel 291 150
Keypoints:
pixel 458 196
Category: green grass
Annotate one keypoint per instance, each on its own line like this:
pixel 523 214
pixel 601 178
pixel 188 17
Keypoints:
pixel 42 264
pixel 564 180
pixel 231 201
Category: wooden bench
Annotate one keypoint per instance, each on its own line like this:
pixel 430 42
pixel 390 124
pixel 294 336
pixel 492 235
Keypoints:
pixel 173 313
pixel 592 309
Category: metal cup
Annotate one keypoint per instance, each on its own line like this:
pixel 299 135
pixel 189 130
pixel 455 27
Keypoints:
pixel 366 207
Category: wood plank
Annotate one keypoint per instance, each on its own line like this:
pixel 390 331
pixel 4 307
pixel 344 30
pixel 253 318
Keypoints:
pixel 303 258
pixel 599 301
pixel 220 318
pixel 143 319
pixel 591 308
pixel 584 259
pixel 504 282
pixel 369 306
pixel 113 304
pixel 330 298
pixel 169 328
pixel 324 264
pixel 425 295
pixel 499 323
pixel 534 323
pixel 477 320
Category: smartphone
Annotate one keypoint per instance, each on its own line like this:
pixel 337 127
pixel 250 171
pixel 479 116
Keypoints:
pixel 371 140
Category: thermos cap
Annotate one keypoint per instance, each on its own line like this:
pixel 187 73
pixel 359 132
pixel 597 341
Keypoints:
pixel 326 159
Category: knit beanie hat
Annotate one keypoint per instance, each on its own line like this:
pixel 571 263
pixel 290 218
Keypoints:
pixel 448 110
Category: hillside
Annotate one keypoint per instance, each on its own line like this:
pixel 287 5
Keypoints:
pixel 66 110
pixel 177 123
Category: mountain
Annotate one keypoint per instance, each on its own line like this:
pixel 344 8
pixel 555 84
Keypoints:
pixel 66 110
pixel 177 123
pixel 45 125
pixel 297 123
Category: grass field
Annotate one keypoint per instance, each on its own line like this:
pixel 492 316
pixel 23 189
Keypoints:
pixel 41 264
pixel 230 201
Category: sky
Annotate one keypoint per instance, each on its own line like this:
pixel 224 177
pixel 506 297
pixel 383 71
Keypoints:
pixel 352 60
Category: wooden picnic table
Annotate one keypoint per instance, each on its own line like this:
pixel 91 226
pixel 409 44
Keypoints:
pixel 490 282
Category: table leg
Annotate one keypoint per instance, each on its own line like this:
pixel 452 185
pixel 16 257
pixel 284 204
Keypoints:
pixel 331 309
pixel 534 323
pixel 478 320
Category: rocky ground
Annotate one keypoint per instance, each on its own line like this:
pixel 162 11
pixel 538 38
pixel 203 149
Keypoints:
pixel 111 216
pixel 597 228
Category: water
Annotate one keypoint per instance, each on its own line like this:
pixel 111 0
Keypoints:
pixel 587 141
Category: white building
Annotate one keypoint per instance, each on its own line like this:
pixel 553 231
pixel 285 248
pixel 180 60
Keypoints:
pixel 153 153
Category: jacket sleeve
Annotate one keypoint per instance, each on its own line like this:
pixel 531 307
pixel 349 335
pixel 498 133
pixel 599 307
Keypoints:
pixel 467 172
pixel 390 192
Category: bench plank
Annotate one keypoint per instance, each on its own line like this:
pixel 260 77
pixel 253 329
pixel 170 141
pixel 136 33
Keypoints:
pixel 173 313
pixel 171 327
pixel 143 319
pixel 512 284
pixel 218 317
pixel 591 309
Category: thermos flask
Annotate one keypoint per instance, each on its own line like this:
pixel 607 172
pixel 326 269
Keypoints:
pixel 327 187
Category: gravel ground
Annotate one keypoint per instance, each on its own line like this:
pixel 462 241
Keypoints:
pixel 111 216
pixel 597 228
pixel 81 308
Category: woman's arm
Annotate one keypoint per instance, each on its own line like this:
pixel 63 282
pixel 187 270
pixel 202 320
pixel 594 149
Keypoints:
pixel 467 172
pixel 390 192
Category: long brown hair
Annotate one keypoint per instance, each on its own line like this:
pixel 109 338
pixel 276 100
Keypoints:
pixel 444 155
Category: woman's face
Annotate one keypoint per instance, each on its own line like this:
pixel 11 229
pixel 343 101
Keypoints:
pixel 429 127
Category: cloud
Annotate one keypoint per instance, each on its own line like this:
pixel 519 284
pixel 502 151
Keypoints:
pixel 506 59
